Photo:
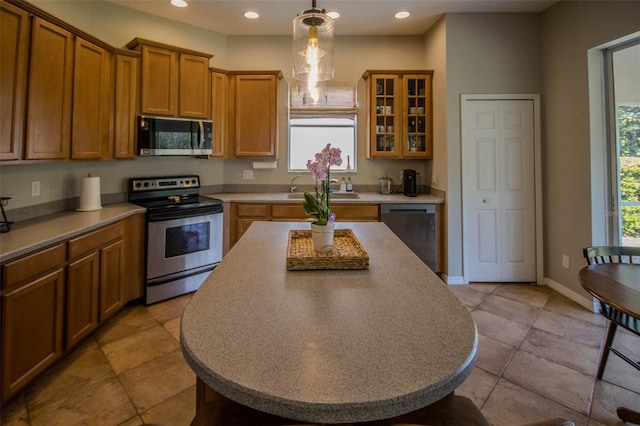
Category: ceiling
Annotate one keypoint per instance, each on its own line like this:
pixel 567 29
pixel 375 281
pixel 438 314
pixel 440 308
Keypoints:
pixel 358 17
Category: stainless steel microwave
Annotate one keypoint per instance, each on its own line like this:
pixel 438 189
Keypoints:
pixel 174 136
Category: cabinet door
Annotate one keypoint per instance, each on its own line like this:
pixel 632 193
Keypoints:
pixel 31 330
pixel 194 86
pixel 219 106
pixel 417 117
pixel 14 45
pixel 242 216
pixel 91 101
pixel 111 279
pixel 82 297
pixel 243 225
pixel 385 112
pixel 126 111
pixel 255 115
pixel 50 88
pixel 159 81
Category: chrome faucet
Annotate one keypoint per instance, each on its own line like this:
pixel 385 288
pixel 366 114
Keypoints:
pixel 294 188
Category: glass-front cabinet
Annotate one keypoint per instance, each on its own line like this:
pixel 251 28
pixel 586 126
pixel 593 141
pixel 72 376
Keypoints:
pixel 400 114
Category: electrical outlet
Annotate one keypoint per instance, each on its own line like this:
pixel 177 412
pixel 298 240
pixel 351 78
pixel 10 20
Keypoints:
pixel 35 189
pixel 565 261
pixel 247 174
pixel 434 178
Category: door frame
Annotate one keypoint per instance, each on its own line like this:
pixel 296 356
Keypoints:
pixel 537 167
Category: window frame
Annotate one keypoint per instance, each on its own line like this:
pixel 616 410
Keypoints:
pixel 337 101
pixel 612 163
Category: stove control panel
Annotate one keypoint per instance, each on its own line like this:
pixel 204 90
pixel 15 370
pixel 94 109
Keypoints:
pixel 154 184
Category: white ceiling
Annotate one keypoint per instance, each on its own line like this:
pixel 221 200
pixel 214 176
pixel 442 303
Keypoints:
pixel 358 17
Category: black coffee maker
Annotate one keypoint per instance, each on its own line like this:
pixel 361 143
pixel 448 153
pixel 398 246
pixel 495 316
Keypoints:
pixel 409 180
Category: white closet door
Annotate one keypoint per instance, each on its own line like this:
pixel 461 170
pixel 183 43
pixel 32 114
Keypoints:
pixel 498 190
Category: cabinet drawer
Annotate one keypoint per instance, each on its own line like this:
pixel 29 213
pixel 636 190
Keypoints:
pixel 94 240
pixel 253 210
pixel 288 211
pixel 356 212
pixel 33 265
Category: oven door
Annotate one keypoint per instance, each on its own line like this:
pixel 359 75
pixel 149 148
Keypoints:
pixel 183 245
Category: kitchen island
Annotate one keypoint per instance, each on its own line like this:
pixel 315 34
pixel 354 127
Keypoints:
pixel 329 346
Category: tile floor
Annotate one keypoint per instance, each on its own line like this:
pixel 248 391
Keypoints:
pixel 537 358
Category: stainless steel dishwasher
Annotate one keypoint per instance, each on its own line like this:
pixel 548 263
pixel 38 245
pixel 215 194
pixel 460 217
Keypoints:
pixel 415 225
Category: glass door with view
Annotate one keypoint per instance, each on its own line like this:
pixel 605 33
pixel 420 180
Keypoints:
pixel 624 62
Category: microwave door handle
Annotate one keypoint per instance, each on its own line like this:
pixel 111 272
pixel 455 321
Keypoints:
pixel 200 134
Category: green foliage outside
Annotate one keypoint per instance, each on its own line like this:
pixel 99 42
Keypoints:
pixel 629 142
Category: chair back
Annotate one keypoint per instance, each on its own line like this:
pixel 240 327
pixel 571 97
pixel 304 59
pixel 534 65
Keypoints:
pixel 612 254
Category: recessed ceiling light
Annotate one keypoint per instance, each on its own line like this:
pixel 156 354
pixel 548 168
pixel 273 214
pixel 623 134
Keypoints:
pixel 179 3
pixel 334 15
pixel 402 14
pixel 250 14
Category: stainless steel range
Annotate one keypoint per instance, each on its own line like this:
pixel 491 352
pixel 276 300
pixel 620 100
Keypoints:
pixel 184 234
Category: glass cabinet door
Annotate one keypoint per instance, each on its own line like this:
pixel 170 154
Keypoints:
pixel 417 122
pixel 385 113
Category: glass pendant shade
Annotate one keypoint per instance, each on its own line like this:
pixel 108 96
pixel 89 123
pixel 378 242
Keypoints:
pixel 313 46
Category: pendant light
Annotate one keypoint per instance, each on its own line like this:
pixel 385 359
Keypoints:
pixel 313 46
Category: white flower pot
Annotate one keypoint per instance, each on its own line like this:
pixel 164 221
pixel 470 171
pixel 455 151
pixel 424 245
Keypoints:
pixel 322 236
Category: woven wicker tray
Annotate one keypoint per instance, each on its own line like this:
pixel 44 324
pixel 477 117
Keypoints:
pixel 347 252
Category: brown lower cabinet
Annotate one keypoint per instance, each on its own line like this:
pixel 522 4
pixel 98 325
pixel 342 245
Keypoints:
pixel 244 214
pixel 95 280
pixel 55 297
pixel 32 321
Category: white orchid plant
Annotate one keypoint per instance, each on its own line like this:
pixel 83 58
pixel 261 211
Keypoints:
pixel 318 206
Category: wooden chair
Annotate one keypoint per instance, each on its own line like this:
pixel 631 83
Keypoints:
pixel 616 254
pixel 452 410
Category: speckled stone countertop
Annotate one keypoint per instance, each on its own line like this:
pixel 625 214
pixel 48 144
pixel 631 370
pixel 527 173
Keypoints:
pixel 362 197
pixel 328 346
pixel 34 234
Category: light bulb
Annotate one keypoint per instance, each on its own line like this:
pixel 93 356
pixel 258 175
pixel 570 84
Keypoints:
pixel 312 53
pixel 312 57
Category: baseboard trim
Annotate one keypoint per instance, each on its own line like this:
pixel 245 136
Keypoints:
pixel 591 304
pixel 454 280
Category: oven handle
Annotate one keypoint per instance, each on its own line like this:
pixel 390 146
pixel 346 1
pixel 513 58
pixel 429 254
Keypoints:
pixel 197 211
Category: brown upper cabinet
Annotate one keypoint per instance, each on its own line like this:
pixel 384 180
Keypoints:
pixel 219 110
pixel 90 122
pixel 50 91
pixel 65 94
pixel 126 105
pixel 253 119
pixel 174 82
pixel 400 118
pixel 14 50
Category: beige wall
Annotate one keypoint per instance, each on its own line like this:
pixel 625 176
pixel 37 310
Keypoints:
pixel 568 31
pixel 485 53
pixel 435 58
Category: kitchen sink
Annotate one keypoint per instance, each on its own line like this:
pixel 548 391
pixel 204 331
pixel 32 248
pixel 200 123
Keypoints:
pixel 334 195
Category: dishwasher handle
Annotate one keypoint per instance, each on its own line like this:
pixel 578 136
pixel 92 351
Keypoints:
pixel 408 208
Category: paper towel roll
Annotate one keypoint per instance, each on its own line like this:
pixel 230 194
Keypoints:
pixel 90 194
